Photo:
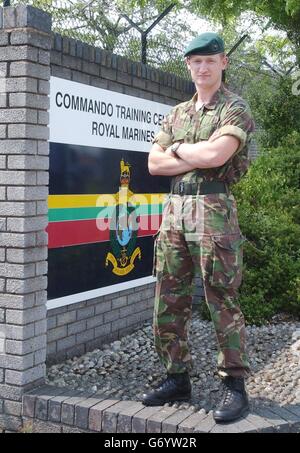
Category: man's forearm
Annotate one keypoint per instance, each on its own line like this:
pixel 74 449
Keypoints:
pixel 199 154
pixel 208 154
pixel 164 164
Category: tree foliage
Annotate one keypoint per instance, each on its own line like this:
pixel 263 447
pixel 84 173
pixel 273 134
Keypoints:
pixel 276 109
pixel 116 27
pixel 101 23
pixel 282 14
pixel 98 22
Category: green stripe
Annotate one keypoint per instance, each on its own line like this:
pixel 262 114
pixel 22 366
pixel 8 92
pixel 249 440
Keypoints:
pixel 65 214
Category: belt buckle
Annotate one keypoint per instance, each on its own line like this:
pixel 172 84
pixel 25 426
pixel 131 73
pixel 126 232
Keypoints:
pixel 181 188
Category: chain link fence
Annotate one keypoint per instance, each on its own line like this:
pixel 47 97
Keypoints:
pixel 143 35
pixel 102 24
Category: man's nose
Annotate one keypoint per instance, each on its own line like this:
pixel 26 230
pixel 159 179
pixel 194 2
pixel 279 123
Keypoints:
pixel 202 67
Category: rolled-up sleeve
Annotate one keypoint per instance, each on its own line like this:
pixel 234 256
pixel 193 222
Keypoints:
pixel 237 122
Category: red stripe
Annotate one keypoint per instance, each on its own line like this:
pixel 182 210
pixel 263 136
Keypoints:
pixel 64 234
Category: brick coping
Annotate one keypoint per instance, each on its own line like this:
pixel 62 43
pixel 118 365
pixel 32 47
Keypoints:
pixel 62 410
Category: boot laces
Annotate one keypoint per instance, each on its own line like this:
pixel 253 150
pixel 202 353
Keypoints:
pixel 228 396
pixel 230 390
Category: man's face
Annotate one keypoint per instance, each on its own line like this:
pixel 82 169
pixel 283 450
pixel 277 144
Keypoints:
pixel 206 70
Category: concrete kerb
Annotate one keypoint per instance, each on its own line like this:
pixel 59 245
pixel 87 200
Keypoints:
pixel 53 409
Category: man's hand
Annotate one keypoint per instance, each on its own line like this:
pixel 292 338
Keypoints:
pixel 165 163
pixel 169 151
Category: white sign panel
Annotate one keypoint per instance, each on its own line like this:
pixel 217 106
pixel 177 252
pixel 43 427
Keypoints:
pixel 90 116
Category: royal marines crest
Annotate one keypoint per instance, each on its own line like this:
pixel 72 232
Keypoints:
pixel 123 228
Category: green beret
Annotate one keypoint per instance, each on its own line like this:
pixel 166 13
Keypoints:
pixel 205 44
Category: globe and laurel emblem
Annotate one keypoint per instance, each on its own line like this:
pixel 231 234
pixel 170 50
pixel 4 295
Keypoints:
pixel 123 228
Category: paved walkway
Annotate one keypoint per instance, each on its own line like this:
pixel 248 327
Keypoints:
pixel 51 409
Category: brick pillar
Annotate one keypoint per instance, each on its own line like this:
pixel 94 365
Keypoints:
pixel 25 43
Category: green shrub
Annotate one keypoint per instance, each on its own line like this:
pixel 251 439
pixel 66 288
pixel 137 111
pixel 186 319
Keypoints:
pixel 268 201
pixel 275 109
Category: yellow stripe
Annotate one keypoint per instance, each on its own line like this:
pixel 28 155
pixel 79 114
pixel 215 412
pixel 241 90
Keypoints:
pixel 82 201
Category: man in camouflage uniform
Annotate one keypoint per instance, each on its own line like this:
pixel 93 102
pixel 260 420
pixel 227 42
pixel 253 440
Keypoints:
pixel 203 144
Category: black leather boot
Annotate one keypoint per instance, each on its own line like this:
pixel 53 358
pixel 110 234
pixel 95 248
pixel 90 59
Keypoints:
pixel 177 387
pixel 235 401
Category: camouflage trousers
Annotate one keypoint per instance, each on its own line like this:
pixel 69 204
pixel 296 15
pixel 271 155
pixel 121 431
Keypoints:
pixel 199 234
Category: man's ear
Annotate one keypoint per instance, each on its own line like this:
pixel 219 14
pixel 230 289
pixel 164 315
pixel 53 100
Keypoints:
pixel 187 62
pixel 225 62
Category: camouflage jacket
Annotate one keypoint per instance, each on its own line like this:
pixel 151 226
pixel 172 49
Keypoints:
pixel 227 113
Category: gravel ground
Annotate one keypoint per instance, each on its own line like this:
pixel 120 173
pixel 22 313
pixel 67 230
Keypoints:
pixel 125 369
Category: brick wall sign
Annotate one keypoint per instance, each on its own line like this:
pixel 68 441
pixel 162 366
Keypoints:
pixel 104 206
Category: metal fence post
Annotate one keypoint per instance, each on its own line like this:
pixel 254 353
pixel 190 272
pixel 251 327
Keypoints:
pixel 144 48
pixel 144 33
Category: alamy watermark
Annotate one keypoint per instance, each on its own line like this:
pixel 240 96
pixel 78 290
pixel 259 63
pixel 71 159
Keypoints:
pixel 143 214
pixel 296 84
